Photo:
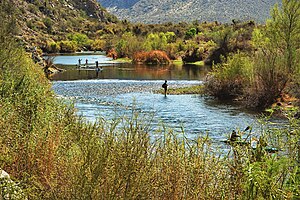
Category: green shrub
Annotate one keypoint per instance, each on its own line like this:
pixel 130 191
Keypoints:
pixel 48 23
pixel 68 46
pixel 121 48
pixel 190 33
pixel 30 118
pixel 98 45
pixel 80 39
pixel 53 47
pixel 171 37
pixel 229 80
pixel 128 45
pixel 155 41
pixel 277 57
pixel 222 39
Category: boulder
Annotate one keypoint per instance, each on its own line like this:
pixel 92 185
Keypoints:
pixel 9 189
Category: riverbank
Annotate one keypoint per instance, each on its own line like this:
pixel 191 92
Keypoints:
pixel 180 62
pixel 196 89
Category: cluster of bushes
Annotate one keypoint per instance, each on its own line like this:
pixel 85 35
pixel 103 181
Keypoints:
pixel 228 80
pixel 91 34
pixel 75 42
pixel 194 42
pixel 61 47
pixel 269 72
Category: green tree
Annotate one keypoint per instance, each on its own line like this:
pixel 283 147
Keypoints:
pixel 80 39
pixel 121 47
pixel 277 58
pixel 171 37
pixel 68 46
pixel 156 41
pixel 284 31
pixel 191 33
pixel 128 45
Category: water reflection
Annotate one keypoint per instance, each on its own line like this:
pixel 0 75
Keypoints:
pixel 73 59
pixel 133 72
pixel 116 70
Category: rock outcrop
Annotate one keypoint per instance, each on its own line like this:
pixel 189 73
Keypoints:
pixel 9 189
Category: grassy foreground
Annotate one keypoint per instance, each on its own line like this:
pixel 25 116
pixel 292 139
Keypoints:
pixel 53 154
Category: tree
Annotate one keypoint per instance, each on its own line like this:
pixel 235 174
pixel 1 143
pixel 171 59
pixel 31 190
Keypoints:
pixel 121 48
pixel 171 37
pixel 191 33
pixel 277 55
pixel 156 41
pixel 80 39
pixel 284 30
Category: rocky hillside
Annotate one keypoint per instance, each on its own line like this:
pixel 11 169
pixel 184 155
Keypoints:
pixel 40 21
pixel 160 11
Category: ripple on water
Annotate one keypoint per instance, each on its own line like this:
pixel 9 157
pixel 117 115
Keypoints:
pixel 194 113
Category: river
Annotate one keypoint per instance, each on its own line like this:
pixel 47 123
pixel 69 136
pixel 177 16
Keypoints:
pixel 120 88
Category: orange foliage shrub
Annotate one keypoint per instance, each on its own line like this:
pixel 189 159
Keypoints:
pixel 152 57
pixel 112 54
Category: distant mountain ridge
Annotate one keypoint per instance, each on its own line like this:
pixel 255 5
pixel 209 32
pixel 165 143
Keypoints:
pixel 161 11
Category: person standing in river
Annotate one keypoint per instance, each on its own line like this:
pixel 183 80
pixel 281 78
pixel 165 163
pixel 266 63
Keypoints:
pixel 97 65
pixel 165 86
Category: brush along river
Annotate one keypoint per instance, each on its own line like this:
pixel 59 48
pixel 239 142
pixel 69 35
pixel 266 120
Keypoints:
pixel 118 89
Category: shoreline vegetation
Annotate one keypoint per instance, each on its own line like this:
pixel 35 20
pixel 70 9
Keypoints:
pixel 196 89
pixel 50 153
pixel 250 62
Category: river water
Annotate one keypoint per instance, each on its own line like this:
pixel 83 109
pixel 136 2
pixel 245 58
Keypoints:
pixel 120 88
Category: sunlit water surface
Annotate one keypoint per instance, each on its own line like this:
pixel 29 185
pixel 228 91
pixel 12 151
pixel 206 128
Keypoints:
pixel 119 89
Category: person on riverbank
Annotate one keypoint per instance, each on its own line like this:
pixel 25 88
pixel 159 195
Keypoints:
pixel 165 86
